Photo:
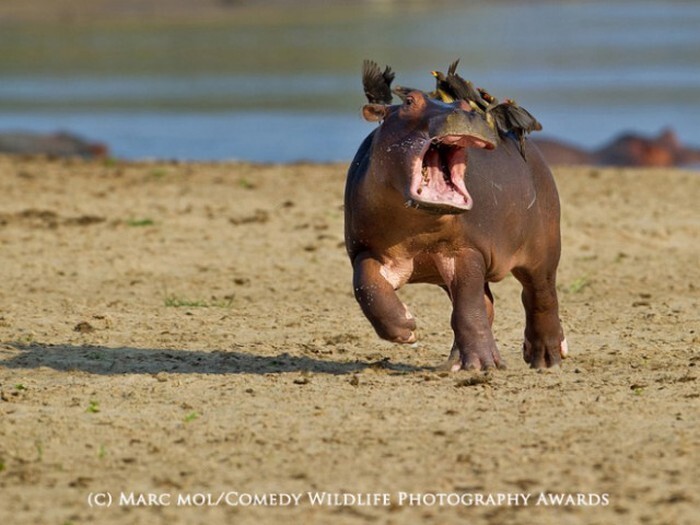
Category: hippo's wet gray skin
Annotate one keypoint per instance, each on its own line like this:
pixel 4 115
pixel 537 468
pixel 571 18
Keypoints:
pixel 434 195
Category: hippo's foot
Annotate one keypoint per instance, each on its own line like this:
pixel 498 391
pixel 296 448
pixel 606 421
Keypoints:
pixel 411 338
pixel 406 337
pixel 399 328
pixel 397 333
pixel 483 358
pixel 541 354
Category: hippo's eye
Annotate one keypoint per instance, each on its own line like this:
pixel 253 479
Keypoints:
pixel 410 100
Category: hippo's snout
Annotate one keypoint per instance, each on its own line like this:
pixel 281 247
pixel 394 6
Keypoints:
pixel 438 174
pixel 459 122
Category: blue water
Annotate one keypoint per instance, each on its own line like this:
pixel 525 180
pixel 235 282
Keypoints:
pixel 279 92
pixel 241 135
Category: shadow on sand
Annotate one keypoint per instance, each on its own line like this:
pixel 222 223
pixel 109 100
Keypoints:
pixel 125 360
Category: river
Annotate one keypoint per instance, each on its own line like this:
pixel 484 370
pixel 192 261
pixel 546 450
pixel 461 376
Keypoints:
pixel 286 86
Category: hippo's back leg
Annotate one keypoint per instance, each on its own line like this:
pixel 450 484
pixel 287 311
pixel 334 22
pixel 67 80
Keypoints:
pixel 488 299
pixel 544 344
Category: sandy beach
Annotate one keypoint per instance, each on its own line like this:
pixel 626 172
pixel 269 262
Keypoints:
pixel 189 329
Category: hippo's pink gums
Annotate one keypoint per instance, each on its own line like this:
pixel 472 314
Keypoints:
pixel 434 195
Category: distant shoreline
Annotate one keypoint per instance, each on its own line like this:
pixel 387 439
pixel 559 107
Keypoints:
pixel 159 12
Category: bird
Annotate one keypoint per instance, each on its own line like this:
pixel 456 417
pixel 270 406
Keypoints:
pixel 462 89
pixel 510 117
pixel 507 117
pixel 488 97
pixel 377 84
pixel 442 90
pixel 451 87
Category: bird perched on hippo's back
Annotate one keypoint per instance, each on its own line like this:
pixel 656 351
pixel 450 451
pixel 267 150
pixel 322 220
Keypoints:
pixel 510 117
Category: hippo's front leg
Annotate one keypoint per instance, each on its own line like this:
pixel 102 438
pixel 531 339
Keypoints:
pixel 380 304
pixel 474 347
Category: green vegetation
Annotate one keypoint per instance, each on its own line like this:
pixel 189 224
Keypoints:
pixel 245 183
pixel 157 173
pixel 174 301
pixel 26 339
pixel 136 223
pixel 93 407
pixel 579 284
pixel 191 417
pixel 180 302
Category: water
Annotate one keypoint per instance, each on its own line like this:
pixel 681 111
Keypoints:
pixel 259 136
pixel 286 86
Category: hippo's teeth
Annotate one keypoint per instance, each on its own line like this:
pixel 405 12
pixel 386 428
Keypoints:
pixel 425 174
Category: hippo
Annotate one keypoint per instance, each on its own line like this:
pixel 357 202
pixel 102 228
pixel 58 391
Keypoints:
pixel 59 144
pixel 627 149
pixel 436 195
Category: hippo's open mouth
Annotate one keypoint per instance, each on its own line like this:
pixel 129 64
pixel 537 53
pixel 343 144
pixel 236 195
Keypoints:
pixel 437 181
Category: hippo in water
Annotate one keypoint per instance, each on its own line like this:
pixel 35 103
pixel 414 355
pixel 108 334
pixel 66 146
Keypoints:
pixel 627 149
pixel 60 144
pixel 436 195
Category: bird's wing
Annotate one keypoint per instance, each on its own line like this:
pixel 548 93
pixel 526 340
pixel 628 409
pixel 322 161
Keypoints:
pixel 377 84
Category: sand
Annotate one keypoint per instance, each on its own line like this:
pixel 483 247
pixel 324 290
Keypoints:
pixel 188 332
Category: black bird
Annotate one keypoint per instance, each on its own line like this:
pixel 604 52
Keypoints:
pixel 510 117
pixel 507 117
pixel 377 84
pixel 444 90
pixel 463 89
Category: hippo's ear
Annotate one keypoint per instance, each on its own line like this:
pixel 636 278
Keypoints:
pixel 374 112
